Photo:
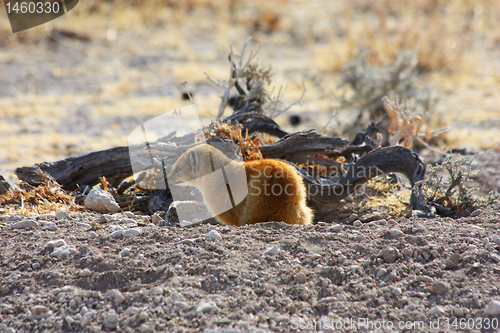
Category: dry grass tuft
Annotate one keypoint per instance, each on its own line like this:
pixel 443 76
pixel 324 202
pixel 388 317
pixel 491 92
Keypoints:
pixel 249 144
pixel 47 198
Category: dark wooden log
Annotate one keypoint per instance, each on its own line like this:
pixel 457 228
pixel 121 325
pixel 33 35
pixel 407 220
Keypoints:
pixel 115 163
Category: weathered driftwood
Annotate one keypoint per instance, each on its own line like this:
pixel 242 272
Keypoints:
pixel 301 147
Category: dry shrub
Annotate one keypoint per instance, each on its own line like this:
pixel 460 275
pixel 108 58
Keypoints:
pixel 446 185
pixel 407 123
pixel 439 31
pixel 249 144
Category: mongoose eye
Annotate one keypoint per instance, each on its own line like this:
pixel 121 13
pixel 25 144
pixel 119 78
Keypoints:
pixel 177 170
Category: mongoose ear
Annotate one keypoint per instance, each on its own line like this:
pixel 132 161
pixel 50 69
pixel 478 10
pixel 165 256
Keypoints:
pixel 194 161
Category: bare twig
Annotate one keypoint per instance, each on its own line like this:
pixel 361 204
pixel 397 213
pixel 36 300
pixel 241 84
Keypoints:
pixel 299 101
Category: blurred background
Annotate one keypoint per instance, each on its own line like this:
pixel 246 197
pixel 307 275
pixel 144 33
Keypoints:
pixel 84 81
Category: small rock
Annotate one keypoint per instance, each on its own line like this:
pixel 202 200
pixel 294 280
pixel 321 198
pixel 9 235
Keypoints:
pixel 341 297
pixel 158 291
pixel 357 223
pixel 116 295
pixel 370 217
pixel 272 251
pixel 352 218
pixel 87 318
pixel 50 225
pixel 55 243
pixel 25 224
pixel 495 257
pixel 85 273
pixel 476 213
pixel 125 252
pixel 214 235
pixel 440 288
pixel 61 215
pixel 39 309
pixel 130 215
pixel 63 251
pixel 389 254
pixel 300 277
pixel 336 228
pixel 93 234
pixel 326 300
pixel 437 311
pixel 111 319
pixel 396 233
pixel 101 201
pixel 132 311
pixel 397 292
pixel 380 222
pixel 493 308
pixel 117 234
pixel 459 312
pixel 156 219
pixel 452 261
pixel 381 272
pixel 143 315
pixel 145 328
pixel 206 306
pixel 133 232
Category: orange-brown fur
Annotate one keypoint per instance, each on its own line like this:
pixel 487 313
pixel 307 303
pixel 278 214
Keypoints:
pixel 276 191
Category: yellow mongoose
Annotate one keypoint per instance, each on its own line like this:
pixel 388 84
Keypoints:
pixel 276 191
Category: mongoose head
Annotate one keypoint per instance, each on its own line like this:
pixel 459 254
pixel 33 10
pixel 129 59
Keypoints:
pixel 195 163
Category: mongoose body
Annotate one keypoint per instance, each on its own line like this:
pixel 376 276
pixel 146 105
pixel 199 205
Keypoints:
pixel 276 191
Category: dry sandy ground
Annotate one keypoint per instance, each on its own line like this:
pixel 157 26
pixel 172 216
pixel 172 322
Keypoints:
pixel 408 274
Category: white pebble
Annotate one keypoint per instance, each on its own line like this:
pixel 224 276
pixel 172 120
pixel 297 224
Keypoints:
pixel 116 295
pixel 50 225
pixel 206 306
pixel 158 291
pixel 214 235
pixel 493 308
pixel 133 232
pixel 61 215
pixel 272 251
pixel 63 251
pixel 300 277
pixel 25 224
pixel 143 315
pixel 381 272
pixel 132 311
pixel 117 234
pixel 85 273
pixel 93 234
pixel 111 319
pixel 101 201
pixel 56 243
pixel 357 223
pixel 341 297
pixel 87 318
pixel 125 252
pixel 396 233
pixel 156 219
pixel 437 311
pixel 336 228
pixel 39 309
pixel 129 214
pixel 495 257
